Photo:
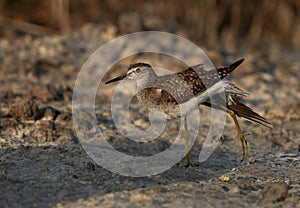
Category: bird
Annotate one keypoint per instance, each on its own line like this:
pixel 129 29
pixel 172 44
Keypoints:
pixel 192 87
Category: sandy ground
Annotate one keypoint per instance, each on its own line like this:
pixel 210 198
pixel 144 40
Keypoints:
pixel 42 163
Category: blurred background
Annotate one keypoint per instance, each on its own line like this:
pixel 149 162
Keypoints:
pixel 225 25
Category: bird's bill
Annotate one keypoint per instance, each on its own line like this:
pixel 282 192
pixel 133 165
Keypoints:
pixel 115 79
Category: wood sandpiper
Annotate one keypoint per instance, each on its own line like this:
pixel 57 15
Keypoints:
pixel 169 91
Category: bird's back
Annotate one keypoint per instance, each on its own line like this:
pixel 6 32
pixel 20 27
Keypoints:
pixel 177 88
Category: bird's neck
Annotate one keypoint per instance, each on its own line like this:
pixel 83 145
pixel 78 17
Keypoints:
pixel 147 81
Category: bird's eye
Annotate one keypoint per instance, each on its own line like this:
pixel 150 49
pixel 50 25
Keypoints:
pixel 138 70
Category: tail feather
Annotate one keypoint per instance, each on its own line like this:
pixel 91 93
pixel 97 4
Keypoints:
pixel 244 111
pixel 224 71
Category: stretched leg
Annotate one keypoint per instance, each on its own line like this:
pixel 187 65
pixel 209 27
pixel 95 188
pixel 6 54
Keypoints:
pixel 186 141
pixel 240 133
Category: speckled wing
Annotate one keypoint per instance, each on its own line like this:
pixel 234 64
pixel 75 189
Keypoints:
pixel 182 86
pixel 198 79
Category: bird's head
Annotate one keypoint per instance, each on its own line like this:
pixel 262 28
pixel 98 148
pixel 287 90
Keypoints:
pixel 138 71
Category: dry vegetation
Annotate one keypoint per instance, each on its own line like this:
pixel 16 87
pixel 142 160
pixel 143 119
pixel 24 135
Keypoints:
pixel 224 24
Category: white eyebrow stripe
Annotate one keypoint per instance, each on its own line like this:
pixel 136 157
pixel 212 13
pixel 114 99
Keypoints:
pixel 131 70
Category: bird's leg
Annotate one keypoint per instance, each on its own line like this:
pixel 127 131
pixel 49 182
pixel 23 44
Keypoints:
pixel 186 141
pixel 240 133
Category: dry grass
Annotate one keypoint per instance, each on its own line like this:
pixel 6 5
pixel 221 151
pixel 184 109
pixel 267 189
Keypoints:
pixel 224 24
